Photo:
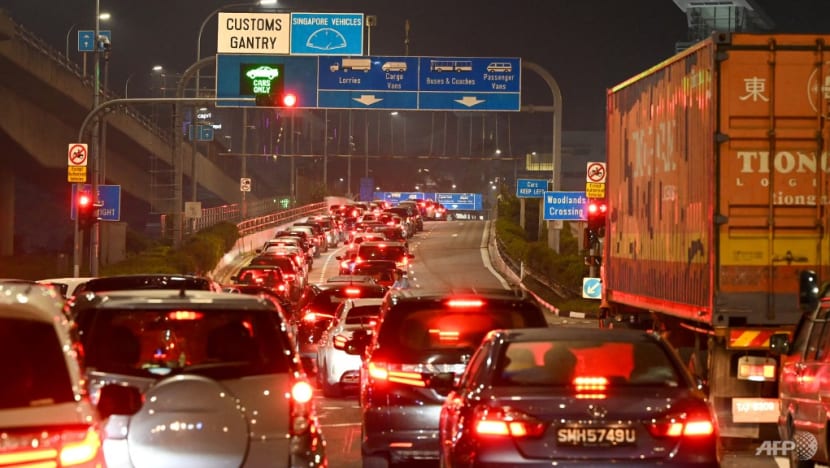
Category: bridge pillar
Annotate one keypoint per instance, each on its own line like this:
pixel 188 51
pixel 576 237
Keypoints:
pixel 6 211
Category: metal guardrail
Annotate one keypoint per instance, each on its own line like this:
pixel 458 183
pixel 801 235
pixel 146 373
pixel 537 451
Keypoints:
pixel 523 271
pixel 255 223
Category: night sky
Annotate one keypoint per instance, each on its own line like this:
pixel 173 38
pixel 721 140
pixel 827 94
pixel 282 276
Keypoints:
pixel 587 45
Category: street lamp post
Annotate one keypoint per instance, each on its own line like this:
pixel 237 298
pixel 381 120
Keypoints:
pixel 67 39
pixel 156 68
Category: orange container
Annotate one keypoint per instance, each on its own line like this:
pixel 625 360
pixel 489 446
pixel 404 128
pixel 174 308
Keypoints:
pixel 717 163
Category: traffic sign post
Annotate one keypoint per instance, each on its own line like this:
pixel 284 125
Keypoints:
pixel 564 206
pixel 469 83
pixel 245 184
pixel 109 200
pixel 460 201
pixel 86 39
pixel 531 188
pixel 591 288
pixel 327 33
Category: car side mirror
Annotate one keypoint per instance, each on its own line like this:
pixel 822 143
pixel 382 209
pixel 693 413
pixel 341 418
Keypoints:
pixel 339 257
pixel 235 278
pixel 808 290
pixel 443 383
pixel 124 400
pixel 779 344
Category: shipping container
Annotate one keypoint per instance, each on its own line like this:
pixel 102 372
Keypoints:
pixel 717 188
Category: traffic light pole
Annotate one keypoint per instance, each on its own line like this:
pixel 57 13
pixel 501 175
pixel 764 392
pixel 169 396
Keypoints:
pixel 114 103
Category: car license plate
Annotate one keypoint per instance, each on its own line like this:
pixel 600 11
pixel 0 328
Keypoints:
pixel 588 436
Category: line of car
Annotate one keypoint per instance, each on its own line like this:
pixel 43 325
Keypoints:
pixel 169 370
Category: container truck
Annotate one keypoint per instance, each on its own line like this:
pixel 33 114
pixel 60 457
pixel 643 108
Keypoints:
pixel 717 183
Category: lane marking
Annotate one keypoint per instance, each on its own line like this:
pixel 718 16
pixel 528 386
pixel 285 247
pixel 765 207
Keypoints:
pixel 485 256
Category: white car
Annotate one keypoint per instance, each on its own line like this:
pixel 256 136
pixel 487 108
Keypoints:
pixel 46 416
pixel 67 286
pixel 220 381
pixel 337 370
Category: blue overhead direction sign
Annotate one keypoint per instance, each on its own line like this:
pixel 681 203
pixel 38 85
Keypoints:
pixel 469 83
pixel 531 188
pixel 564 206
pixel 300 78
pixel 327 33
pixel 460 201
pixel 368 82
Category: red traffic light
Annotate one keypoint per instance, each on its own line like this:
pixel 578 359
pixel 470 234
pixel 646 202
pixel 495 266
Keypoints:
pixel 595 208
pixel 84 200
pixel 289 100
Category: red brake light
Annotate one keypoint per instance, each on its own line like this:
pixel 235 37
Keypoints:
pixel 353 291
pixel 81 451
pixel 382 372
pixel 465 303
pixel 695 423
pixel 502 422
pixel 310 317
pixel 591 387
pixel 184 315
pixel 302 392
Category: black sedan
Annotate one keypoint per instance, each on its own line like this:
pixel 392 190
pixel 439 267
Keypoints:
pixel 587 397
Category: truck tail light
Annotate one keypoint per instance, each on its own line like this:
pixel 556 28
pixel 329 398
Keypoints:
pixel 71 447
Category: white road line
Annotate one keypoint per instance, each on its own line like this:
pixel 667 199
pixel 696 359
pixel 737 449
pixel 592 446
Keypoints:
pixel 329 257
pixel 485 256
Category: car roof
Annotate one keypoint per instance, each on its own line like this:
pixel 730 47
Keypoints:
pixel 577 334
pixel 29 300
pixel 148 281
pixel 165 298
pixel 415 294
pixel 383 243
pixel 351 279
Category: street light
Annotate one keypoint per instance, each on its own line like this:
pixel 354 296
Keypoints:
pixel 156 68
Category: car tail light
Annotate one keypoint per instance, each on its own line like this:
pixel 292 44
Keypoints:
pixel 290 276
pixel 311 317
pixel 392 373
pixel 281 288
pixel 695 422
pixel 465 303
pixel 339 341
pixel 80 447
pixel 302 392
pixel 504 422
pixel 352 291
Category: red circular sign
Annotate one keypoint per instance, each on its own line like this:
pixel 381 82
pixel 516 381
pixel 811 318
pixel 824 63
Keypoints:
pixel 596 172
pixel 77 155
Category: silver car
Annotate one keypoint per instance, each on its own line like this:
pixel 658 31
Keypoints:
pixel 337 370
pixel 221 383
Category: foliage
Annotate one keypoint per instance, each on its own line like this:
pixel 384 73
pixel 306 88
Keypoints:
pixel 198 254
pixel 566 268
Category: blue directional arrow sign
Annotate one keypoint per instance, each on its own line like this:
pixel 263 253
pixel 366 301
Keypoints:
pixel 591 288
pixel 564 206
pixel 368 82
pixel 300 78
pixel 531 188
pixel 469 83
pixel 326 33
pixel 86 39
